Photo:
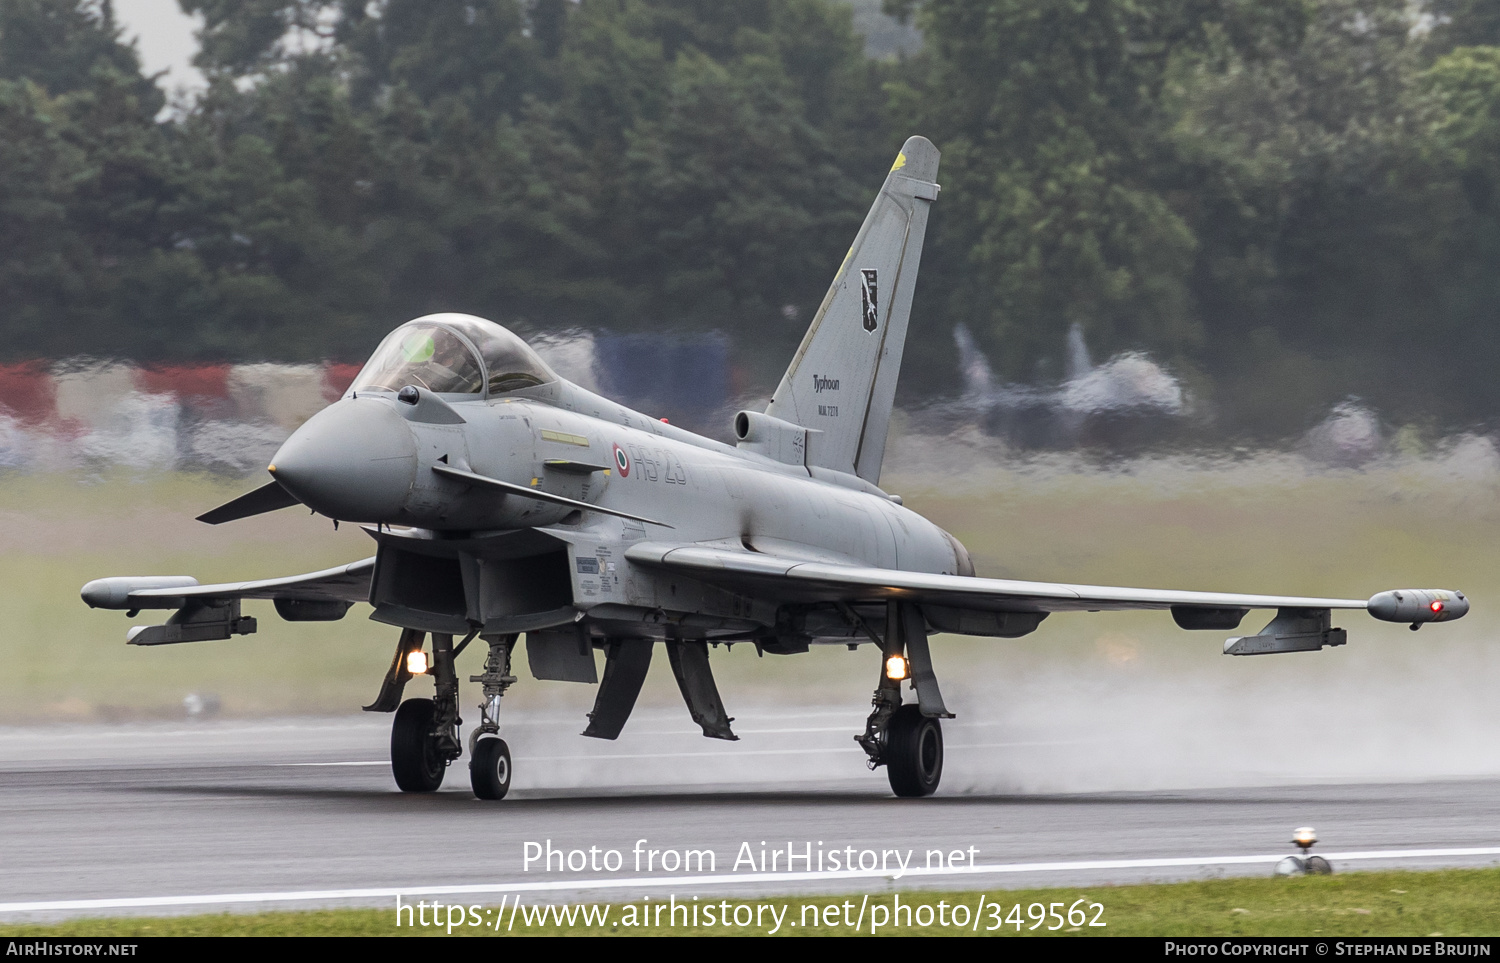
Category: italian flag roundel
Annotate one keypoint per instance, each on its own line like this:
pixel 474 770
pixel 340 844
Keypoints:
pixel 622 462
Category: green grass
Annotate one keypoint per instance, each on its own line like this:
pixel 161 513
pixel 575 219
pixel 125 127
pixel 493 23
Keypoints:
pixel 65 661
pixel 1451 903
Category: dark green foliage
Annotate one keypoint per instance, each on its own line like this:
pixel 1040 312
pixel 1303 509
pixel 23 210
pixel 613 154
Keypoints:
pixel 85 177
pixel 475 53
pixel 637 163
pixel 38 170
pixel 1465 22
pixel 1338 240
pixel 1060 180
pixel 1284 200
pixel 241 37
pixel 58 44
pixel 1288 201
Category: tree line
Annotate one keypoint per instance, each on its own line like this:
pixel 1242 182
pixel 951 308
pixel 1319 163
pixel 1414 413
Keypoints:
pixel 1286 201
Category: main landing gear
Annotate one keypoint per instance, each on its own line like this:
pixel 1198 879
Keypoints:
pixel 908 743
pixel 424 735
pixel 417 759
pixel 906 739
pixel 913 752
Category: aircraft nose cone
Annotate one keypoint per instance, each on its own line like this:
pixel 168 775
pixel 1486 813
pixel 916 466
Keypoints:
pixel 354 460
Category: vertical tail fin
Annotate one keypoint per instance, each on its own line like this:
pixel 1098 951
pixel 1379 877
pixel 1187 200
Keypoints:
pixel 842 381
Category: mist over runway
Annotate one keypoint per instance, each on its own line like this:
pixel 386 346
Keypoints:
pixel 284 806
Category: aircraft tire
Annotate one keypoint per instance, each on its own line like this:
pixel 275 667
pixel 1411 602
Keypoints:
pixel 489 768
pixel 913 753
pixel 415 760
pixel 1318 866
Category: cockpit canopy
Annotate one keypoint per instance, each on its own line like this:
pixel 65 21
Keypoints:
pixel 454 354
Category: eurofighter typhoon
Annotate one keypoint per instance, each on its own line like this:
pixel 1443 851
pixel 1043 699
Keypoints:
pixel 506 502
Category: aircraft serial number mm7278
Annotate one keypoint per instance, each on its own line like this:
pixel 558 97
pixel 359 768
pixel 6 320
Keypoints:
pixel 506 502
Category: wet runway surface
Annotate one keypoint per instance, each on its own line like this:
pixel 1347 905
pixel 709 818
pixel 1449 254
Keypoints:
pixel 162 810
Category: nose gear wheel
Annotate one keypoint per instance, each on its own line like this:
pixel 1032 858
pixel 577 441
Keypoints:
pixel 489 768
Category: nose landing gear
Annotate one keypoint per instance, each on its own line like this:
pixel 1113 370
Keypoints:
pixel 489 756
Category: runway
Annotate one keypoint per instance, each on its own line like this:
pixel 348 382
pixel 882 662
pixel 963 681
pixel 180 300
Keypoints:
pixel 158 812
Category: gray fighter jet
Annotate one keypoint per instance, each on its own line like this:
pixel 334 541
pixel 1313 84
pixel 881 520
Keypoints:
pixel 505 501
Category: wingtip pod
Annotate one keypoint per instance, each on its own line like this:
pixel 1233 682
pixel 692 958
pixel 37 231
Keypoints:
pixel 114 593
pixel 1417 606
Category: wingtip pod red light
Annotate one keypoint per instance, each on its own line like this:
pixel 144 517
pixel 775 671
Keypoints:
pixel 1416 606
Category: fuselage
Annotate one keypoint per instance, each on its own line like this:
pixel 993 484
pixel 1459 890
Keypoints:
pixel 704 490
pixel 376 457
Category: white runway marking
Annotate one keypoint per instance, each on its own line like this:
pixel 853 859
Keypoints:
pixel 683 882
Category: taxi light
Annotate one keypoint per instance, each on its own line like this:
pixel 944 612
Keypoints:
pixel 1436 606
pixel 895 668
pixel 416 662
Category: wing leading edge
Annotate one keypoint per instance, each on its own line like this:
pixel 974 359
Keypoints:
pixel 1010 608
pixel 824 581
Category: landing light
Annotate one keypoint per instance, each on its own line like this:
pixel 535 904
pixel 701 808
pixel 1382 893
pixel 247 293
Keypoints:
pixel 895 668
pixel 416 662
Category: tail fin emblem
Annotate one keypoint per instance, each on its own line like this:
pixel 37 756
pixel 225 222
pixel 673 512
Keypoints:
pixel 869 294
